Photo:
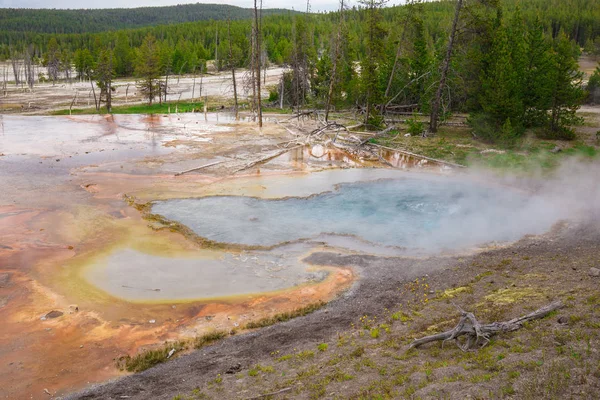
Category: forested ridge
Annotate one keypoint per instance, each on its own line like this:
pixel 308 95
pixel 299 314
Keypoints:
pixel 510 64
pixel 99 20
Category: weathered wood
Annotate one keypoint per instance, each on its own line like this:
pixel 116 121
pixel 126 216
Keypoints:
pixel 433 122
pixel 201 167
pixel 477 333
pixel 408 153
pixel 267 158
pixel 378 135
pixel 332 125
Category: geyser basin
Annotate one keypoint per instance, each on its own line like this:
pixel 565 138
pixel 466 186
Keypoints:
pixel 141 277
pixel 427 213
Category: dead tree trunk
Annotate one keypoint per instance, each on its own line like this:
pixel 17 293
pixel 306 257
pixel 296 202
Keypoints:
pixel 16 68
pixel 28 67
pixel 96 102
pixel 399 49
pixel 336 60
pixel 478 334
pixel 257 61
pixel 232 66
pixel 217 47
pixel 435 107
pixel 252 74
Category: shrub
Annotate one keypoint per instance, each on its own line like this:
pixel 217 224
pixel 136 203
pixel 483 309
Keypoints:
pixel 415 127
pixel 486 128
pixel 561 133
pixel 273 94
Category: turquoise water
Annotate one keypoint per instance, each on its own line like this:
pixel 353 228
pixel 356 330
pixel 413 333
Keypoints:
pixel 406 213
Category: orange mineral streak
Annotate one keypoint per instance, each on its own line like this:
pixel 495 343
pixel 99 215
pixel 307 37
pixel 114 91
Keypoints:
pixel 41 256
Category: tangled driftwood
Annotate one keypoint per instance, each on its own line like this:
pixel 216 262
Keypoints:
pixel 480 334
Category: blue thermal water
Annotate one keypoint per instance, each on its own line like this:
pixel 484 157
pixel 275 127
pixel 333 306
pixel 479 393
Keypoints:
pixel 413 213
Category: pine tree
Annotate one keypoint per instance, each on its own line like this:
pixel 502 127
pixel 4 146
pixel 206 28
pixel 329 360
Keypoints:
pixel 501 96
pixel 148 69
pixel 420 63
pixel 518 46
pixel 537 85
pixel 124 57
pixel 84 63
pixel 567 90
pixel 104 74
pixel 52 61
pixel 593 87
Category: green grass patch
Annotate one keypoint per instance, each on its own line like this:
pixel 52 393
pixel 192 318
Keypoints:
pixel 155 108
pixel 286 316
pixel 149 358
pixel 208 338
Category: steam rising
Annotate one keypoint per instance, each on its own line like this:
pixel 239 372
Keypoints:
pixel 414 212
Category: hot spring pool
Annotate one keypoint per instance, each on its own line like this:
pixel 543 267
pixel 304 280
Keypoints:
pixel 409 212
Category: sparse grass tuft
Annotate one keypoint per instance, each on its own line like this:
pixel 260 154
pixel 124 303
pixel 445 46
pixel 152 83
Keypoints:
pixel 208 338
pixel 282 317
pixel 149 358
pixel 323 347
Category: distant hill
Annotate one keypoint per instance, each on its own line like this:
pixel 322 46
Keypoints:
pixel 100 20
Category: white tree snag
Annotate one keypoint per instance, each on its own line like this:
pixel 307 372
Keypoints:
pixel 435 107
pixel 201 167
pixel 480 334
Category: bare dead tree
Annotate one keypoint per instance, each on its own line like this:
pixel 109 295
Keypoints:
pixel 201 79
pixel 96 103
pixel 336 61
pixel 257 47
pixel 4 74
pixel 251 74
pixel 217 46
pixel 407 17
pixel 232 66
pixel 16 66
pixel 28 67
pixel 435 107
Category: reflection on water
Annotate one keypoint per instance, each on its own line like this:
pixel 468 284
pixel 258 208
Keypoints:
pixel 52 136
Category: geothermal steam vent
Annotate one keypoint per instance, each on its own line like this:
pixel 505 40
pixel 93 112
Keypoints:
pixel 418 213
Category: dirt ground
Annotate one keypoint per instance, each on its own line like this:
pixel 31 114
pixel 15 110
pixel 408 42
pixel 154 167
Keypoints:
pixel 356 347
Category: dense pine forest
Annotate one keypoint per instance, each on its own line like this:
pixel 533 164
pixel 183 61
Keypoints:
pixel 99 20
pixel 512 65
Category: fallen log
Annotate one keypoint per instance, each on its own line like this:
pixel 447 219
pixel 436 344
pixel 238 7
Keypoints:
pixel 301 114
pixel 378 134
pixel 477 333
pixel 267 158
pixel 408 153
pixel 201 167
pixel 331 125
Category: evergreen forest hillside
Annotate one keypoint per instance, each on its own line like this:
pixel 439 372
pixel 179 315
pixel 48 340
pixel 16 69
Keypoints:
pixel 100 20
